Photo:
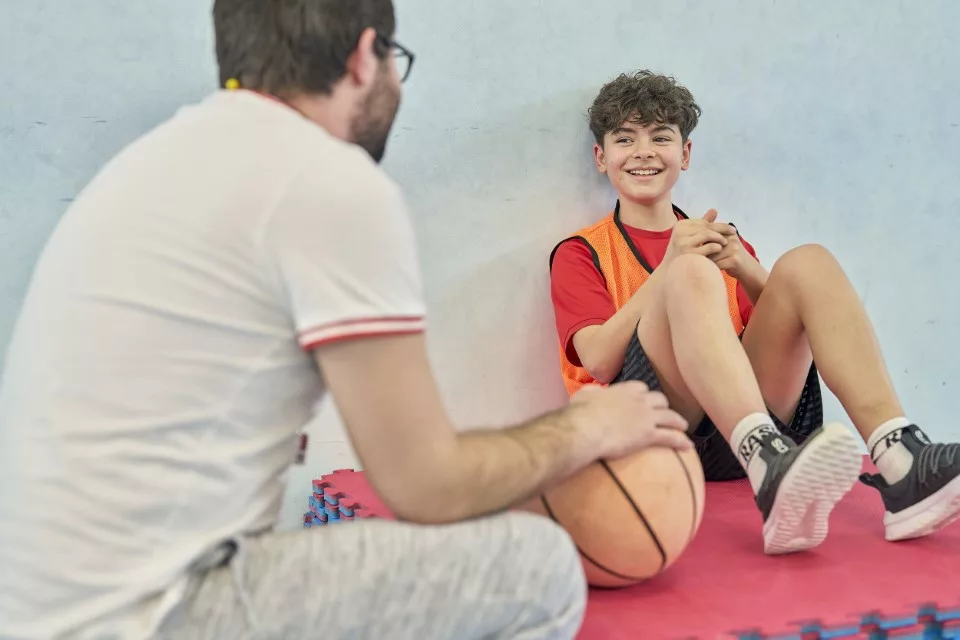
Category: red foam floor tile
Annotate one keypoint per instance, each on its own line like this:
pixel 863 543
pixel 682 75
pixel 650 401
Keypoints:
pixel 724 584
pixel 354 484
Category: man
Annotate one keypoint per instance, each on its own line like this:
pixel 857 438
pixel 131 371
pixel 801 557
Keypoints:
pixel 209 285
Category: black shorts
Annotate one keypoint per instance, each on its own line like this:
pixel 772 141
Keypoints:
pixel 719 461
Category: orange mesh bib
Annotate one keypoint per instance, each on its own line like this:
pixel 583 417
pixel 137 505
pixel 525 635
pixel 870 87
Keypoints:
pixel 624 271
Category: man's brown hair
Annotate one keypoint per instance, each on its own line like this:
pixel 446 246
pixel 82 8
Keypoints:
pixel 286 47
pixel 643 98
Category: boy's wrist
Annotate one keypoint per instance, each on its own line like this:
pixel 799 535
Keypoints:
pixel 753 277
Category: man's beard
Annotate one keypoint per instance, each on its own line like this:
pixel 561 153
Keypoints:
pixel 373 121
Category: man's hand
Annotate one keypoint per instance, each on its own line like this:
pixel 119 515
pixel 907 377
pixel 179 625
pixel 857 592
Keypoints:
pixel 703 236
pixel 627 417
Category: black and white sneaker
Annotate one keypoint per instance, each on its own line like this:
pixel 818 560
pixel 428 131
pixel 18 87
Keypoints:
pixel 928 497
pixel 802 485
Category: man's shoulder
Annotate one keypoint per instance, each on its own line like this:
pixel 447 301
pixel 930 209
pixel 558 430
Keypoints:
pixel 343 175
pixel 281 135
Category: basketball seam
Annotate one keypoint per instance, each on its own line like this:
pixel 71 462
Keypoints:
pixel 643 518
pixel 622 576
pixel 693 496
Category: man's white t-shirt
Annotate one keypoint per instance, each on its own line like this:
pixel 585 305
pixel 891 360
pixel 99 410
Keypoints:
pixel 161 369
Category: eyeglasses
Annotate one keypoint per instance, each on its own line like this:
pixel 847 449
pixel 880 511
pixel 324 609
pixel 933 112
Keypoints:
pixel 403 55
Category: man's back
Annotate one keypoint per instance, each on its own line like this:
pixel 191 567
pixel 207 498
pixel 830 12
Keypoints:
pixel 156 381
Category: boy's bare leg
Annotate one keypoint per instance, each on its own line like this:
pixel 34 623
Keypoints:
pixel 690 340
pixel 700 362
pixel 809 311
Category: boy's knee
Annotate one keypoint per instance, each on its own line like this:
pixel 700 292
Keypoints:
pixel 693 271
pixel 803 261
pixel 809 253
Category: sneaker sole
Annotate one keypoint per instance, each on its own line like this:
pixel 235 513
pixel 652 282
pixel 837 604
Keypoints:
pixel 927 516
pixel 818 479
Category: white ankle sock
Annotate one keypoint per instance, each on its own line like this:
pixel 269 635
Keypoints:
pixel 746 439
pixel 893 460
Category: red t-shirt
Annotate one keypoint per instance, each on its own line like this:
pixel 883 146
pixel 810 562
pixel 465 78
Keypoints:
pixel 580 298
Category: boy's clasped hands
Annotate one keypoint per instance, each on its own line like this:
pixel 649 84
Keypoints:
pixel 704 236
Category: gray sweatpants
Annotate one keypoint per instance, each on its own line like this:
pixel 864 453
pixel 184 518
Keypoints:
pixel 513 575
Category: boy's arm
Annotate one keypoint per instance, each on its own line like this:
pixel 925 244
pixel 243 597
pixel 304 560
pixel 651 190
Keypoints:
pixel 751 275
pixel 754 279
pixel 603 347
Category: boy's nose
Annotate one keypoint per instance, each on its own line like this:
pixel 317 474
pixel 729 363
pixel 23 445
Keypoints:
pixel 642 152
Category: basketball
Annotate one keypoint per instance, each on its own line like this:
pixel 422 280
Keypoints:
pixel 631 518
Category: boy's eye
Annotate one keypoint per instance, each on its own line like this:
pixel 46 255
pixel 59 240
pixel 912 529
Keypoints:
pixel 662 139
pixel 623 140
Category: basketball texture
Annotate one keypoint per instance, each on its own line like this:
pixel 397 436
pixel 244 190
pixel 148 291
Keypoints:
pixel 631 518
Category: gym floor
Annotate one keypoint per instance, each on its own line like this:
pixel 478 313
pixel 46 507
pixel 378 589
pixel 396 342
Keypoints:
pixel 855 585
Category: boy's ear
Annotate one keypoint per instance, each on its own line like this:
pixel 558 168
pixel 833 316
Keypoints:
pixel 687 147
pixel 599 158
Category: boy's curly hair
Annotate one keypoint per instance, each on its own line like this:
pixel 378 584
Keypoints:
pixel 643 98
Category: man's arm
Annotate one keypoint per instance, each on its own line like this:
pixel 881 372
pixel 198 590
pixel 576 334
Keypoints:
pixel 423 469
pixel 345 266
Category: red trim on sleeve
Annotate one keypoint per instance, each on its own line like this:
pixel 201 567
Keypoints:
pixel 360 328
pixel 356 321
pixel 309 346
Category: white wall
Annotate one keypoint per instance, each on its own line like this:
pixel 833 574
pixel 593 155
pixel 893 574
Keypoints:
pixel 826 122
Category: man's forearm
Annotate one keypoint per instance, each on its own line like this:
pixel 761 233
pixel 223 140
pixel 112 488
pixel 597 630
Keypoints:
pixel 493 470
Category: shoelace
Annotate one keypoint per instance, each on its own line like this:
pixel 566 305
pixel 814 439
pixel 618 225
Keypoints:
pixel 935 458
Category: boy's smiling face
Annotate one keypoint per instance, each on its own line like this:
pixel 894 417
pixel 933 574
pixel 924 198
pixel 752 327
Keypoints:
pixel 643 162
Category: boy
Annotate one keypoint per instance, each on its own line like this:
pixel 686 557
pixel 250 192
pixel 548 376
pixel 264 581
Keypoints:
pixel 684 305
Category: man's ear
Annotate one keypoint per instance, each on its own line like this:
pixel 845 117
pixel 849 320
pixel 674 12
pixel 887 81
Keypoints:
pixel 599 158
pixel 362 63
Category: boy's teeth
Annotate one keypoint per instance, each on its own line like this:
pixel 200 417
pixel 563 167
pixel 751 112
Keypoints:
pixel 646 172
